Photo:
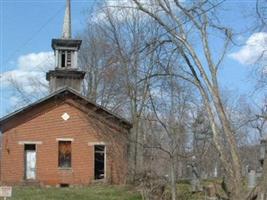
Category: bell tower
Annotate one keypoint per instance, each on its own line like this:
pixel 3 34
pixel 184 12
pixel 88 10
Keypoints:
pixel 66 72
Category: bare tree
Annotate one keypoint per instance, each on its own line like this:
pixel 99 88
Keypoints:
pixel 182 22
pixel 170 104
pixel 26 92
pixel 115 65
pixel 260 124
pixel 97 58
pixel 261 12
pixel 128 33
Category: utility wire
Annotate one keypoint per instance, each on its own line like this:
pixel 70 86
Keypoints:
pixel 34 34
pixel 58 11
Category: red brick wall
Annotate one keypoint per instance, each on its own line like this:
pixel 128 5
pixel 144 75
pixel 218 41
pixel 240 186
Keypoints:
pixel 46 127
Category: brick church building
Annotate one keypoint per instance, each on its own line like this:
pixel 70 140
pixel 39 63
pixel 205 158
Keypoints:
pixel 64 139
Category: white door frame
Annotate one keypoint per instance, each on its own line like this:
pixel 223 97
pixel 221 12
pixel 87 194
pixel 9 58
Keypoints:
pixel 26 167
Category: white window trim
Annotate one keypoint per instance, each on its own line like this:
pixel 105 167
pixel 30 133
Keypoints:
pixel 105 163
pixel 29 142
pixel 65 139
pixel 96 143
pixel 105 157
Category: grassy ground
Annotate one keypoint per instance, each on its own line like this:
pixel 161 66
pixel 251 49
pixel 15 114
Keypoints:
pixel 88 193
pixel 184 193
pixel 98 193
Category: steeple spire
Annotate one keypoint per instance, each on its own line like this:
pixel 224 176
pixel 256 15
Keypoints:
pixel 66 72
pixel 66 34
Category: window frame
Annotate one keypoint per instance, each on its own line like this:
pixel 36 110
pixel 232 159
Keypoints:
pixel 105 160
pixel 25 144
pixel 62 165
pixel 63 58
pixel 68 58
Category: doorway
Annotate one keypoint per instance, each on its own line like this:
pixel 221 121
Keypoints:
pixel 30 161
pixel 100 157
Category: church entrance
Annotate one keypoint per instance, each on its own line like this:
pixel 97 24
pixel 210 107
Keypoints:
pixel 30 161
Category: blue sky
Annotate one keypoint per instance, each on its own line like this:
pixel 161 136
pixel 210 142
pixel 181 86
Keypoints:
pixel 27 27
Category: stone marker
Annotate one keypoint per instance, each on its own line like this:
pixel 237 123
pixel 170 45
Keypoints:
pixel 251 179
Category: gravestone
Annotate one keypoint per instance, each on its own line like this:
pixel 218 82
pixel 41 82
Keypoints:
pixel 251 179
pixel 195 182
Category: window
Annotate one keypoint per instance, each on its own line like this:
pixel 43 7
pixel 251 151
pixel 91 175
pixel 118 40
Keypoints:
pixel 29 147
pixel 64 154
pixel 68 58
pixel 99 162
pixel 63 59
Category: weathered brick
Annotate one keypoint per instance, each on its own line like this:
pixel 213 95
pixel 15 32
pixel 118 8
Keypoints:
pixel 46 126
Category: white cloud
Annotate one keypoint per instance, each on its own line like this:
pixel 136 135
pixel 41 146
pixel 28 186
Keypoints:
pixel 26 82
pixel 123 9
pixel 114 7
pixel 254 49
pixel 29 68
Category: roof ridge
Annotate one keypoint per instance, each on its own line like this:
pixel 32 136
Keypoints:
pixel 63 89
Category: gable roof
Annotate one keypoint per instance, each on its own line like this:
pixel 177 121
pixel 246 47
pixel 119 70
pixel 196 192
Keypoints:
pixel 61 94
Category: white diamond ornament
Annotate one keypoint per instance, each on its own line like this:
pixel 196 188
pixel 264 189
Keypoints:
pixel 65 116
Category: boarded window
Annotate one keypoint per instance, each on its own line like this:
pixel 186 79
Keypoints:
pixel 64 154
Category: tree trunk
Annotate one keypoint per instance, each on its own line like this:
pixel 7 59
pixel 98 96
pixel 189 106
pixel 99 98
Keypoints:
pixel 264 178
pixel 173 179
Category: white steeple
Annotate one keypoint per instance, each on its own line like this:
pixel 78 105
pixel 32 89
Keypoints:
pixel 66 34
pixel 66 72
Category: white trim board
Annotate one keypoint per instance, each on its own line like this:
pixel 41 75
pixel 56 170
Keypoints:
pixel 29 142
pixel 65 139
pixel 96 143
